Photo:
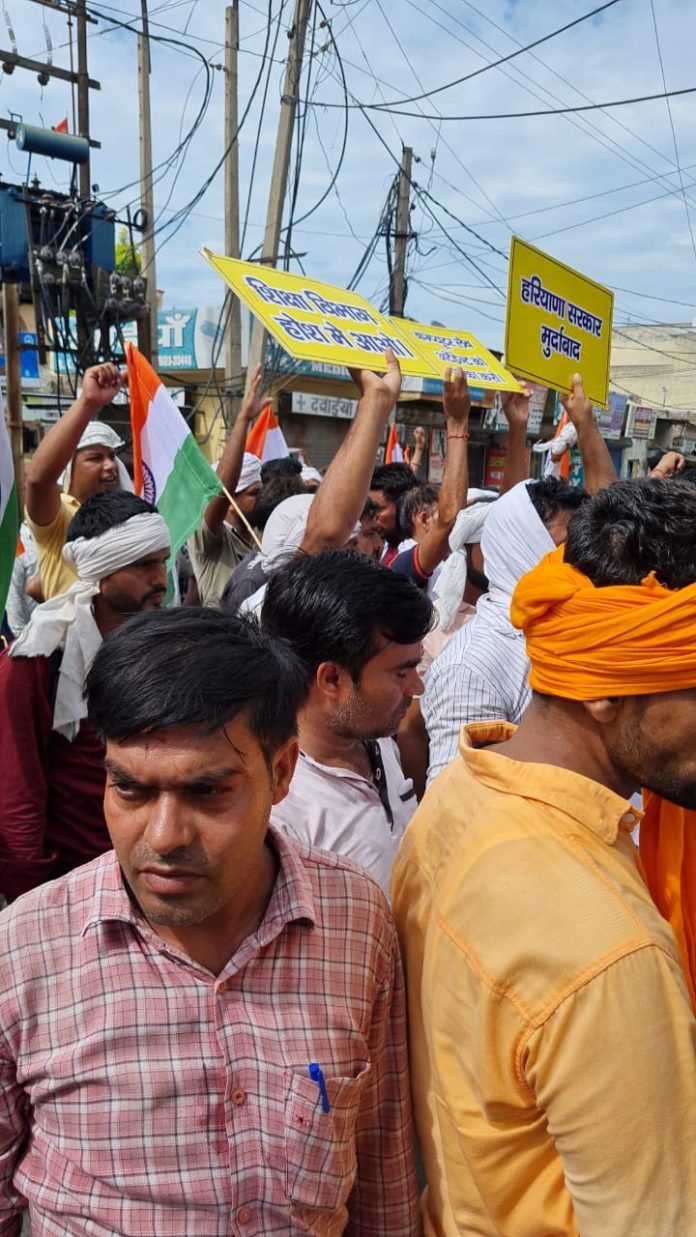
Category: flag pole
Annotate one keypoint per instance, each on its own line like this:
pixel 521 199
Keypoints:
pixel 240 513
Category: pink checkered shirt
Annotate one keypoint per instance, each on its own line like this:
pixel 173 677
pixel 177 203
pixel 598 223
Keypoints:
pixel 143 1095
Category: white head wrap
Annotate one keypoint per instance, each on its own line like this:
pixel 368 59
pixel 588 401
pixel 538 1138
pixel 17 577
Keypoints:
pixel 311 474
pixel 514 540
pixel 99 434
pixel 284 531
pixel 468 529
pixel 250 474
pixel 68 620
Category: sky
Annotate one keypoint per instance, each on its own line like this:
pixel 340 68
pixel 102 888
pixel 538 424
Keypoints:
pixel 599 190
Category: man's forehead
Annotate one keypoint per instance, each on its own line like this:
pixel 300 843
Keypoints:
pixel 96 446
pixel 185 748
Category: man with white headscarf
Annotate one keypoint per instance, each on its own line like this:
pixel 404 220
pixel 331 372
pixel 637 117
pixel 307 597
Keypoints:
pixel 223 538
pixel 75 459
pixel 51 762
pixel 481 675
pixel 331 517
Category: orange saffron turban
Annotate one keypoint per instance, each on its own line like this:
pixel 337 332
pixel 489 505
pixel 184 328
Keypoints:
pixel 585 642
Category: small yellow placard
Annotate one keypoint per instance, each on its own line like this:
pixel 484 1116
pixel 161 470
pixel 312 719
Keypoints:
pixel 558 323
pixel 446 348
pixel 315 321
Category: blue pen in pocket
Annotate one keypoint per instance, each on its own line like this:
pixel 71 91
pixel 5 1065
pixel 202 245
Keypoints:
pixel 317 1076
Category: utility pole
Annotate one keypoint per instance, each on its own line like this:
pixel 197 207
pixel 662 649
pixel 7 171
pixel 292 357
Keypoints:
pixel 233 332
pixel 147 326
pixel 397 290
pixel 13 378
pixel 281 163
pixel 83 94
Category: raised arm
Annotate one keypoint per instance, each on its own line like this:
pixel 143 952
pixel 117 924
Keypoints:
pixel 343 492
pixel 456 403
pixel 516 411
pixel 418 450
pixel 596 460
pixel 230 465
pixel 100 385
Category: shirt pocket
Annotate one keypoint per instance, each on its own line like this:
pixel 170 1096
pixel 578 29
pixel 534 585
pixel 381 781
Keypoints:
pixel 320 1152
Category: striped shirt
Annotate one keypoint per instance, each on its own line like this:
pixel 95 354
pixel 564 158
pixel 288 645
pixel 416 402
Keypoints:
pixel 480 676
pixel 143 1094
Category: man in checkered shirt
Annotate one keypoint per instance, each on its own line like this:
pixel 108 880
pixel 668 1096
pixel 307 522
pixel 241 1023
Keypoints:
pixel 202 1031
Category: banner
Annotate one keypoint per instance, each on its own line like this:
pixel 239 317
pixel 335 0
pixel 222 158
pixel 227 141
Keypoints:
pixel 315 321
pixel 558 323
pixel 445 348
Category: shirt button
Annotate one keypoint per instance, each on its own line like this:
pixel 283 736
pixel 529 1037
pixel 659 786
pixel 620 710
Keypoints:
pixel 244 1215
pixel 238 1096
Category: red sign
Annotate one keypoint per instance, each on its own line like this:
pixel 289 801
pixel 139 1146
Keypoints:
pixel 496 458
pixel 495 467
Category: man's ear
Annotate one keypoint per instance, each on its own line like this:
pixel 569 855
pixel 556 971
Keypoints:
pixel 605 710
pixel 332 680
pixel 283 767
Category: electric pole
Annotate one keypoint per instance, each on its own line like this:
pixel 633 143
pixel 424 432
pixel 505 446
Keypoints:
pixel 85 178
pixel 397 290
pixel 13 379
pixel 281 163
pixel 233 331
pixel 147 326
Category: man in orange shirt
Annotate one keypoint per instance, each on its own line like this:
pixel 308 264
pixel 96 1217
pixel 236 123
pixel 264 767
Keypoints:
pixel 552 1037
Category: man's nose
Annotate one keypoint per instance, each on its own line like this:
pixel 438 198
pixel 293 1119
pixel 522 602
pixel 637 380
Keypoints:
pixel 169 825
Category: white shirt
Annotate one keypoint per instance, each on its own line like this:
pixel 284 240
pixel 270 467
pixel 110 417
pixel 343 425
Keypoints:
pixel 480 676
pixel 340 810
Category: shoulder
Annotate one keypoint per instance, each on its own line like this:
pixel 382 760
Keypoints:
pixel 44 534
pixel 407 564
pixel 348 902
pixel 41 930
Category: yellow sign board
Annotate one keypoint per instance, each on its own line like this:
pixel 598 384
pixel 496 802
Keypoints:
pixel 445 348
pixel 558 323
pixel 315 321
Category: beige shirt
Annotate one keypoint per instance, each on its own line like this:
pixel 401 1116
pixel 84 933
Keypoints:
pixel 56 574
pixel 553 1059
pixel 214 557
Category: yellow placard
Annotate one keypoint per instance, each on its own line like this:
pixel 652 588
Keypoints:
pixel 558 323
pixel 315 321
pixel 449 349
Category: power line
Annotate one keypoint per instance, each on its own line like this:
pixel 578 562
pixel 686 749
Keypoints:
pixel 671 125
pixel 428 94
pixel 554 111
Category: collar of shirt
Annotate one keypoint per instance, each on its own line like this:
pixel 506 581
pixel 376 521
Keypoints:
pixel 594 806
pixel 292 900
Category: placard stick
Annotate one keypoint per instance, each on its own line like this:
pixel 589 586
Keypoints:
pixel 241 515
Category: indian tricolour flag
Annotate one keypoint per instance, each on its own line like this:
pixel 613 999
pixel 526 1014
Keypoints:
pixel 266 440
pixel 9 511
pixel 169 468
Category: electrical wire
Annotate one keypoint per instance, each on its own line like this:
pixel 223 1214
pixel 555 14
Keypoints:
pixel 671 125
pixel 428 94
pixel 555 111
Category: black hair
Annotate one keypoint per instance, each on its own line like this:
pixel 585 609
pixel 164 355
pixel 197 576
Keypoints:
pixel 553 495
pixel 288 466
pixel 633 528
pixel 420 498
pixel 339 606
pixel 195 667
pixel 393 480
pixel 103 511
pixel 275 490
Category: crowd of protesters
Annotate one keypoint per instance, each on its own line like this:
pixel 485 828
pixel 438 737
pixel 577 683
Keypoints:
pixel 351 889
